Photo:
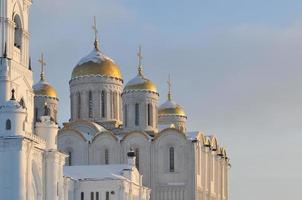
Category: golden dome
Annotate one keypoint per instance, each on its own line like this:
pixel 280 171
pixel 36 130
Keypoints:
pixel 43 88
pixel 141 83
pixel 171 108
pixel 97 63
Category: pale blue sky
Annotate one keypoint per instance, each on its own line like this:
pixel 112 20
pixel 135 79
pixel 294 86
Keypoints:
pixel 236 67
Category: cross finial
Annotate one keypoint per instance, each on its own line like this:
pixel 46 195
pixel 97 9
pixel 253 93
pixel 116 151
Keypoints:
pixel 170 91
pixel 13 95
pixel 43 64
pixel 140 58
pixel 96 32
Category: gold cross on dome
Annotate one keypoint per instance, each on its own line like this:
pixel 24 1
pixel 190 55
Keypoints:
pixel 170 86
pixel 43 64
pixel 140 55
pixel 140 58
pixel 94 27
pixel 96 32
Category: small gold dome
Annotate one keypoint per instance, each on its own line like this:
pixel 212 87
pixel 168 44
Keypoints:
pixel 141 83
pixel 97 63
pixel 171 108
pixel 43 88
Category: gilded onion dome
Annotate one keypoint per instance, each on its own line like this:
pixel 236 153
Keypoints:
pixel 140 82
pixel 43 88
pixel 170 107
pixel 97 63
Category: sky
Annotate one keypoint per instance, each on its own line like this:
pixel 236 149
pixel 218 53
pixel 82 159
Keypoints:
pixel 236 68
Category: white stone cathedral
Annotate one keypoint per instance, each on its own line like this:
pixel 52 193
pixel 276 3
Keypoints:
pixel 118 145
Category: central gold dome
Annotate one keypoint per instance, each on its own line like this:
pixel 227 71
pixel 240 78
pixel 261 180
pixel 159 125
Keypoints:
pixel 97 63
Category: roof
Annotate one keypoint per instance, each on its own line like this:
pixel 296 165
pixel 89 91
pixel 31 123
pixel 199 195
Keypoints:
pixel 96 172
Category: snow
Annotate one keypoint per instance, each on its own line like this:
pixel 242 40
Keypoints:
pixel 96 172
pixel 11 105
pixel 192 135
pixel 168 104
pixel 40 85
pixel 137 80
pixel 94 56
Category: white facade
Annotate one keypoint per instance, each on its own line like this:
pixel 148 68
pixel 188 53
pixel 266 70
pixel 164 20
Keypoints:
pixel 107 121
pixel 114 182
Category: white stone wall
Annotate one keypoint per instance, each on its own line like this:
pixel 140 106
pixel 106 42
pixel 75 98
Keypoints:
pixel 14 72
pixel 117 189
pixel 143 98
pixel 200 173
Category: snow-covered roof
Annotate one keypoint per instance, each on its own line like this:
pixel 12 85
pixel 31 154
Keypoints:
pixel 94 56
pixel 192 135
pixel 168 104
pixel 96 172
pixel 11 106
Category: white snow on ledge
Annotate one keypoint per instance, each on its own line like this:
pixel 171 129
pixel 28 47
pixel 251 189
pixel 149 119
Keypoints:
pixel 96 172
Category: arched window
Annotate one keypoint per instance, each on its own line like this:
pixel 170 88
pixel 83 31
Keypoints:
pixel 150 113
pixel 8 125
pixel 68 161
pixel 79 106
pixel 18 32
pixel 69 158
pixel 125 115
pixel 171 159
pixel 137 158
pixel 103 106
pixel 90 104
pixel 136 114
pixel 106 157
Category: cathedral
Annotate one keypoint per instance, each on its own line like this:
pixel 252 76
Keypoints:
pixel 119 144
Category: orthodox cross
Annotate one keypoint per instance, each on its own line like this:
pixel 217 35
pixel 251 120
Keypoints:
pixel 170 86
pixel 96 32
pixel 13 95
pixel 43 64
pixel 140 58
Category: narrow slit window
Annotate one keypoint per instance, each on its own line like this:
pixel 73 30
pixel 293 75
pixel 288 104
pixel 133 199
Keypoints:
pixel 103 99
pixel 137 158
pixel 107 196
pixel 97 196
pixel 92 196
pixel 90 105
pixel 171 159
pixel 136 114
pixel 125 115
pixel 79 105
pixel 82 195
pixel 106 156
pixel 150 121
